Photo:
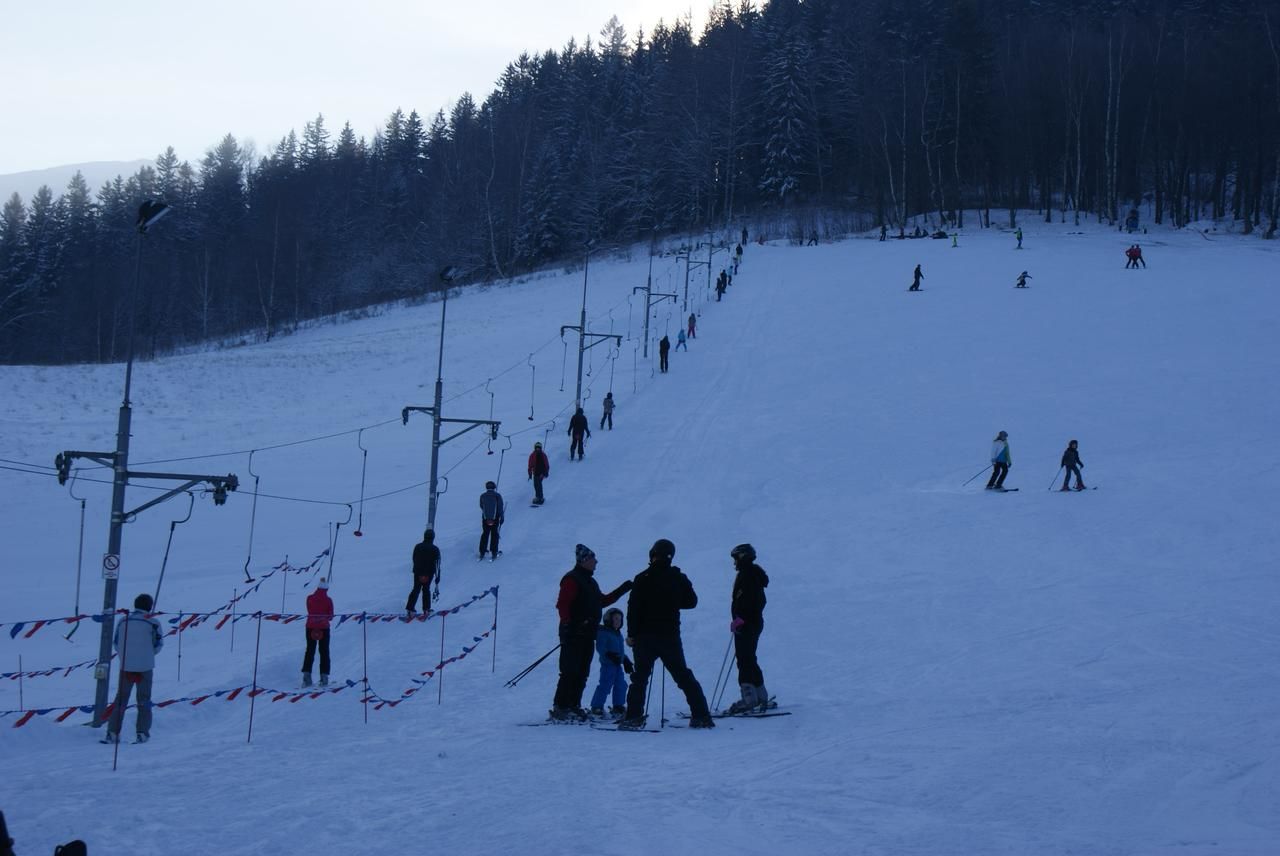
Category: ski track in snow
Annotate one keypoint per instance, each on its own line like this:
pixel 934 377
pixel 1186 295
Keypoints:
pixel 970 674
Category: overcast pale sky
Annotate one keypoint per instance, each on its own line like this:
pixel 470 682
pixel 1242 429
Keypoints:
pixel 89 81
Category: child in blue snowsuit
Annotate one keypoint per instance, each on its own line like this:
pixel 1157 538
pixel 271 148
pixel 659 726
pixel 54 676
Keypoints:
pixel 613 663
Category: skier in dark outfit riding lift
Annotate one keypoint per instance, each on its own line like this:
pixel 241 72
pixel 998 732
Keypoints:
pixel 426 569
pixel 747 609
pixel 578 427
pixel 653 621
pixel 579 605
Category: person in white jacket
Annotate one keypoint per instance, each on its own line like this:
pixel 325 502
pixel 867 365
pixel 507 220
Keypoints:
pixel 1001 461
pixel 138 638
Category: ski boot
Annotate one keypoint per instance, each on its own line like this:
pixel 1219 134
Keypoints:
pixel 747 703
pixel 306 679
pixel 597 712
pixel 618 712
pixel 634 723
pixel 702 721
pixel 324 680
pixel 763 702
pixel 568 714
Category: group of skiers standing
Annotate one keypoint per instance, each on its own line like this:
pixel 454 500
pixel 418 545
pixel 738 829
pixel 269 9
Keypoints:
pixel 657 596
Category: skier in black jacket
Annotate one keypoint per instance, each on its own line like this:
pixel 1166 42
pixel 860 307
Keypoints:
pixel 653 620
pixel 747 609
pixel 1072 463
pixel 426 568
pixel 579 604
pixel 492 515
pixel 578 427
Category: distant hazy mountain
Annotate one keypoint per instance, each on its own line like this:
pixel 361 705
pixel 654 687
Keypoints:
pixel 96 174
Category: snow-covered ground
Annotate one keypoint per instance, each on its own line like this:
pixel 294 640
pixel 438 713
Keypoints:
pixel 969 672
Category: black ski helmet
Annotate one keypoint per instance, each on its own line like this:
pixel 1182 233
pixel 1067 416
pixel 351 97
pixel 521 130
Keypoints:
pixel 662 549
pixel 490 486
pixel 743 554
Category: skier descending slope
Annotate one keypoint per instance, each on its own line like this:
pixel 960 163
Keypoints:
pixel 653 619
pixel 1001 461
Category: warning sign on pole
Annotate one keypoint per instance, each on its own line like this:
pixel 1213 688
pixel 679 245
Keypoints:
pixel 111 566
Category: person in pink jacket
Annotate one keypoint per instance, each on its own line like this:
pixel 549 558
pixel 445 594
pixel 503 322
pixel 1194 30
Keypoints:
pixel 319 614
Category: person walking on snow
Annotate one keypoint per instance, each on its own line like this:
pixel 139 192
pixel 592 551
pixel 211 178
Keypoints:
pixel 917 276
pixel 319 614
pixel 578 430
pixel 1022 280
pixel 607 414
pixel 1072 464
pixel 1018 235
pixel 579 604
pixel 138 638
pixel 1132 255
pixel 664 349
pixel 1001 461
pixel 693 326
pixel 653 617
pixel 747 611
pixel 539 469
pixel 615 665
pixel 1137 256
pixel 426 569
pixel 681 342
pixel 492 514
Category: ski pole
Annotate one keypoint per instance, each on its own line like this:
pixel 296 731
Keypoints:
pixel 1055 477
pixel 720 675
pixel 725 688
pixel 531 667
pixel 978 473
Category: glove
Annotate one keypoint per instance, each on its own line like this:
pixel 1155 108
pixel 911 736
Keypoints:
pixel 614 657
pixel 627 665
pixel 735 625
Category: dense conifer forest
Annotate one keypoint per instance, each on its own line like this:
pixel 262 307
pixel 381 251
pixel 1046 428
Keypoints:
pixel 885 111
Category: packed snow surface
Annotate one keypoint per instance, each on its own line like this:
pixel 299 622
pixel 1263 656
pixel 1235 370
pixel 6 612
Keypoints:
pixel 968 672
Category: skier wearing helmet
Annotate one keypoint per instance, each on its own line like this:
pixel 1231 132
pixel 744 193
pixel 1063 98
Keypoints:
pixel 614 666
pixel 747 609
pixel 653 618
pixel 492 513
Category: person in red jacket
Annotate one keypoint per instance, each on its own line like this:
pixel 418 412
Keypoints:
pixel 1132 255
pixel 319 614
pixel 539 469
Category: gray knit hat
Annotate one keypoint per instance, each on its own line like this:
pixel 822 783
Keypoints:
pixel 582 552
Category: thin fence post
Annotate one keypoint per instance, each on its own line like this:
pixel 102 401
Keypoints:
pixel 124 646
pixel 179 647
pixel 440 668
pixel 253 696
pixel 235 593
pixel 21 706
pixel 494 667
pixel 284 585
pixel 364 634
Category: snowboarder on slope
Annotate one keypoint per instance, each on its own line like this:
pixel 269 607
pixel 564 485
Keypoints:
pixel 539 469
pixel 917 276
pixel 1022 280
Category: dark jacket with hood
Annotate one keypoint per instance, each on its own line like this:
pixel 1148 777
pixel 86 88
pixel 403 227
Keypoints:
pixel 1071 458
pixel 658 594
pixel 748 595
pixel 578 424
pixel 426 558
